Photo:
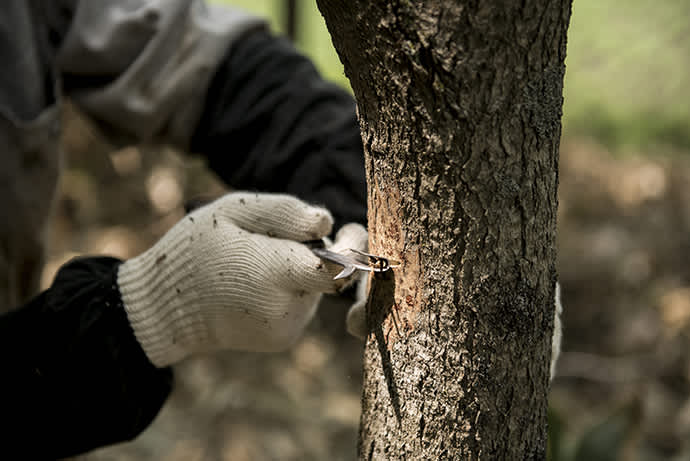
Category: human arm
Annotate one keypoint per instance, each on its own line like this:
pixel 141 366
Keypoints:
pixel 246 100
pixel 271 122
pixel 85 360
pixel 74 376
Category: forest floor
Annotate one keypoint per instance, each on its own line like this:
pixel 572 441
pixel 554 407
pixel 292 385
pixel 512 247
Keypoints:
pixel 623 383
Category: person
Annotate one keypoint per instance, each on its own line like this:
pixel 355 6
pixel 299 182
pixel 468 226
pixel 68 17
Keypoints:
pixel 86 363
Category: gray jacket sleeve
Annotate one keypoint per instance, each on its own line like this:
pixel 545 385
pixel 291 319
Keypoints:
pixel 143 67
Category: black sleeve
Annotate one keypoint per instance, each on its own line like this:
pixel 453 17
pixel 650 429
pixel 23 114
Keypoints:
pixel 271 123
pixel 74 377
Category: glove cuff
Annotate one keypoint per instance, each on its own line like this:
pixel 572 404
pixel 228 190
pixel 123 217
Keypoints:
pixel 153 287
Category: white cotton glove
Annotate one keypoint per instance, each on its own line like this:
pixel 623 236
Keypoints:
pixel 232 275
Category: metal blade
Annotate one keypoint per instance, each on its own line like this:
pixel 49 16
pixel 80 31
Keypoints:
pixel 346 272
pixel 358 260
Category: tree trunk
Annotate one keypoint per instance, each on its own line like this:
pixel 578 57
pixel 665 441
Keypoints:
pixel 460 106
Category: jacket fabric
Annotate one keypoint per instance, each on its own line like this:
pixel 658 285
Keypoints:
pixel 74 377
pixel 207 79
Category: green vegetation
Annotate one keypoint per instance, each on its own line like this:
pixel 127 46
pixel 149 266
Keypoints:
pixel 628 72
pixel 312 36
pixel 628 67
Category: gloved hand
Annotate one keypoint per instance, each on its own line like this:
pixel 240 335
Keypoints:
pixel 232 275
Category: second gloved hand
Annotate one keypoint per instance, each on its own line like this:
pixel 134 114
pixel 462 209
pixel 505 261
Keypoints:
pixel 231 275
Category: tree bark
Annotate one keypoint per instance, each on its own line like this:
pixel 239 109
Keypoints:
pixel 459 104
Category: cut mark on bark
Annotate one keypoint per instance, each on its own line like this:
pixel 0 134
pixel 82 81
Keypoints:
pixel 388 238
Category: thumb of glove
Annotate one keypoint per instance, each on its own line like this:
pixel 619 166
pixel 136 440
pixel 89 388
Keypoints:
pixel 356 320
pixel 350 236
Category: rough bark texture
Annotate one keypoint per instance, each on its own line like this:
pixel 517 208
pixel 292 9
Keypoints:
pixel 460 107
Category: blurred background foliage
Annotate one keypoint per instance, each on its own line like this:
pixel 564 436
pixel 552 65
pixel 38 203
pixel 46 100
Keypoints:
pixel 622 390
pixel 627 82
